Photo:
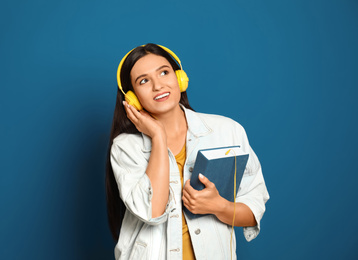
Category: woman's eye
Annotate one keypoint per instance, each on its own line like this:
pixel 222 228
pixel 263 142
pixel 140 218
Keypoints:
pixel 164 72
pixel 143 81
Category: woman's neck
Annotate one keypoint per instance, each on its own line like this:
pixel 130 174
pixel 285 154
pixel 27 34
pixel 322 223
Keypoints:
pixel 174 122
pixel 175 126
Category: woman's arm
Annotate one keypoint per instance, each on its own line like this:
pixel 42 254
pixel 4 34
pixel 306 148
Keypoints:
pixel 209 201
pixel 158 165
pixel 158 173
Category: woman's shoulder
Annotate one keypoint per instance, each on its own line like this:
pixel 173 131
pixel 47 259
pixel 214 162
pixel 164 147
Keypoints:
pixel 130 145
pixel 125 139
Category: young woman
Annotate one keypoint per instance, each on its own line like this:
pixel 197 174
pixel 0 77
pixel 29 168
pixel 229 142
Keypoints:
pixel 152 152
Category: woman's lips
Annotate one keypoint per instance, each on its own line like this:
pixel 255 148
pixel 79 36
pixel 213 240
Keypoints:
pixel 162 96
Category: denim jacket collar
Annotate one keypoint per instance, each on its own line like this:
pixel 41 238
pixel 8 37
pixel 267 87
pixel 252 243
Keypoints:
pixel 196 127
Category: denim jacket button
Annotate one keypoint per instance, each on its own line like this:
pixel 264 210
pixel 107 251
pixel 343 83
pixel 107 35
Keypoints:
pixel 191 169
pixel 197 232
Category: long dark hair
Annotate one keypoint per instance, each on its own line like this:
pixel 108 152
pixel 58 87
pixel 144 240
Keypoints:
pixel 121 124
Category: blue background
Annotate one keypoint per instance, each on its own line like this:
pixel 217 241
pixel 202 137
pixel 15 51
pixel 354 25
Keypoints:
pixel 286 70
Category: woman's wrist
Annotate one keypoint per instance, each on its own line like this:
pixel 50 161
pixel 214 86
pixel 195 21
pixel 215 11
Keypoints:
pixel 159 139
pixel 221 207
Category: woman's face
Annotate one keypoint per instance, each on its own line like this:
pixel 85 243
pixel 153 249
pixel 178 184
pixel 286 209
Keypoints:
pixel 155 84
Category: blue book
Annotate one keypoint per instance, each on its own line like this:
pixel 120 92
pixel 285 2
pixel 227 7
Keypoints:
pixel 218 165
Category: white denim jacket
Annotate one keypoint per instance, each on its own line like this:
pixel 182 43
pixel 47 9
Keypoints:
pixel 144 237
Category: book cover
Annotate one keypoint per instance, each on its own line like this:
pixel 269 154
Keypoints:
pixel 218 165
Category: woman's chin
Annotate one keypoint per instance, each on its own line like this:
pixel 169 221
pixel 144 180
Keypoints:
pixel 163 108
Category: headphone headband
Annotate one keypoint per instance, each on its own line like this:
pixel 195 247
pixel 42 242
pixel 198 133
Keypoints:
pixel 124 58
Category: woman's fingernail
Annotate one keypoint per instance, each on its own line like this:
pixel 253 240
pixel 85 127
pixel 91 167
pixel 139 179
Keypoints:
pixel 124 103
pixel 201 176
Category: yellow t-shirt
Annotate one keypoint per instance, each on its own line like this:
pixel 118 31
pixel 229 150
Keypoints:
pixel 188 252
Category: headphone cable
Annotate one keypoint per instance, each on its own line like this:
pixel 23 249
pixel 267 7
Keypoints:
pixel 233 219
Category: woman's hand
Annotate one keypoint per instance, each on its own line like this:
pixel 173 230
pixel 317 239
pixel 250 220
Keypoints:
pixel 206 201
pixel 144 122
pixel 209 201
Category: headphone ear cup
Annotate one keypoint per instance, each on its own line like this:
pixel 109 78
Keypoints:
pixel 132 100
pixel 183 80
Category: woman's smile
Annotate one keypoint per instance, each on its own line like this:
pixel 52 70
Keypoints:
pixel 162 97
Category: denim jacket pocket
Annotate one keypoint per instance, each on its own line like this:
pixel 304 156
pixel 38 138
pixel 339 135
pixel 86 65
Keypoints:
pixel 138 251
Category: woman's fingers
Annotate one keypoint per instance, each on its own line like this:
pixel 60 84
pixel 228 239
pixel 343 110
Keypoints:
pixel 188 187
pixel 130 115
pixel 131 111
pixel 133 115
pixel 143 121
pixel 204 180
pixel 185 200
pixel 189 196
pixel 203 201
pixel 186 195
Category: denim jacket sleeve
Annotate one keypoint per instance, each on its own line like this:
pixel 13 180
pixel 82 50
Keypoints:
pixel 252 191
pixel 129 164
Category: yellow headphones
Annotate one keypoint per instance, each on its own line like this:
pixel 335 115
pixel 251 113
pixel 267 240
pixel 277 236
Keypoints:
pixel 132 99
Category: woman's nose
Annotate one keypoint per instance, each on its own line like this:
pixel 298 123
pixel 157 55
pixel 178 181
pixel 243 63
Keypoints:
pixel 157 84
